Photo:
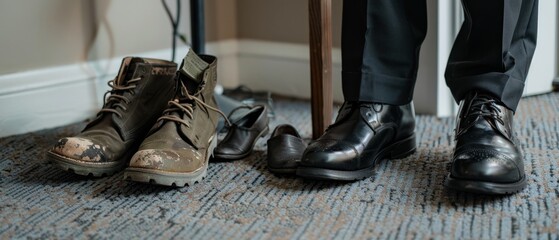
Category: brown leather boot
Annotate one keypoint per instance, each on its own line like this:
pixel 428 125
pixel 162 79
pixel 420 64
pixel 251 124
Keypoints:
pixel 177 151
pixel 138 96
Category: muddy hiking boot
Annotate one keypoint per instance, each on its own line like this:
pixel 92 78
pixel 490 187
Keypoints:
pixel 178 148
pixel 137 97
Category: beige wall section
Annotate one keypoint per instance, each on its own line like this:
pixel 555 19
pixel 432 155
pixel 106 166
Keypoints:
pixel 134 26
pixel 37 33
pixel 221 20
pixel 40 34
pixel 281 20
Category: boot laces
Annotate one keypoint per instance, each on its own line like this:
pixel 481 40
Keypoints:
pixel 186 106
pixel 117 97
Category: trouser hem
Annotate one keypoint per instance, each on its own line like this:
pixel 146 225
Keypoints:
pixel 371 87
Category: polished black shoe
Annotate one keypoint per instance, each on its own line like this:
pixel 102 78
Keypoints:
pixel 285 148
pixel 486 157
pixel 362 135
pixel 243 134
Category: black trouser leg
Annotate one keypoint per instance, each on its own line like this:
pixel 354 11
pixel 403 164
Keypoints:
pixel 380 49
pixel 493 49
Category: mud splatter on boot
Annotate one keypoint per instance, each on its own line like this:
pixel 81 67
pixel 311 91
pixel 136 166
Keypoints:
pixel 137 97
pixel 177 151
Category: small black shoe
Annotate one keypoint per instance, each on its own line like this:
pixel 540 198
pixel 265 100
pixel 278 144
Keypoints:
pixel 243 134
pixel 362 135
pixel 486 158
pixel 285 148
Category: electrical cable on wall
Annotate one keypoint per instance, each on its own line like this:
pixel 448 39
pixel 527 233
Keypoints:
pixel 175 25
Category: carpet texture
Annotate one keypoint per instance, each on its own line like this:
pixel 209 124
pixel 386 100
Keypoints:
pixel 240 200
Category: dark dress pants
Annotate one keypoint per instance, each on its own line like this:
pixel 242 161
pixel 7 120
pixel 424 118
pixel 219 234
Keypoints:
pixel 381 40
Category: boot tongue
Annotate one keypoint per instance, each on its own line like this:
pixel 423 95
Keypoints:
pixel 126 72
pixel 192 71
pixel 127 69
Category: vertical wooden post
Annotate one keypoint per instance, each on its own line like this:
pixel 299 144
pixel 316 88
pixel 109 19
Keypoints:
pixel 320 29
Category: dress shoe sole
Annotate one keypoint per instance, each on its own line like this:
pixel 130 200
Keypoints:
pixel 167 178
pixel 485 187
pixel 84 168
pixel 232 157
pixel 397 150
pixel 283 170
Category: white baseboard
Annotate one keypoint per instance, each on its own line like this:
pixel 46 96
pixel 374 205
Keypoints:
pixel 282 68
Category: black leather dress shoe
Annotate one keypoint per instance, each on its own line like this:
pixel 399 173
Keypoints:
pixel 285 148
pixel 362 135
pixel 243 134
pixel 486 158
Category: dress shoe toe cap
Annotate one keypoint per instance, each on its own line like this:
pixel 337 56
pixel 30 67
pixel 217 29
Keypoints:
pixel 329 153
pixel 482 165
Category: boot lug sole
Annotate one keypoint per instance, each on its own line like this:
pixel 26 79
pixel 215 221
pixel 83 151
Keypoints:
pixel 167 178
pixel 92 169
pixel 164 178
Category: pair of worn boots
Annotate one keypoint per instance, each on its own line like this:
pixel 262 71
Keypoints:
pixel 157 122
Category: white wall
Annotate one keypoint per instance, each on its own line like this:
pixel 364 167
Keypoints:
pixel 544 65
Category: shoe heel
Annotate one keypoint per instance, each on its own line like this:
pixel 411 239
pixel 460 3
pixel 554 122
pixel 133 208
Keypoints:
pixel 403 148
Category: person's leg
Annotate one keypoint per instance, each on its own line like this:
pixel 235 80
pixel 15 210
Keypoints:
pixel 380 51
pixel 493 49
pixel 486 73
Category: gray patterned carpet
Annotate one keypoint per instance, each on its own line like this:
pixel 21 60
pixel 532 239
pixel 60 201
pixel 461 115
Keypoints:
pixel 241 200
